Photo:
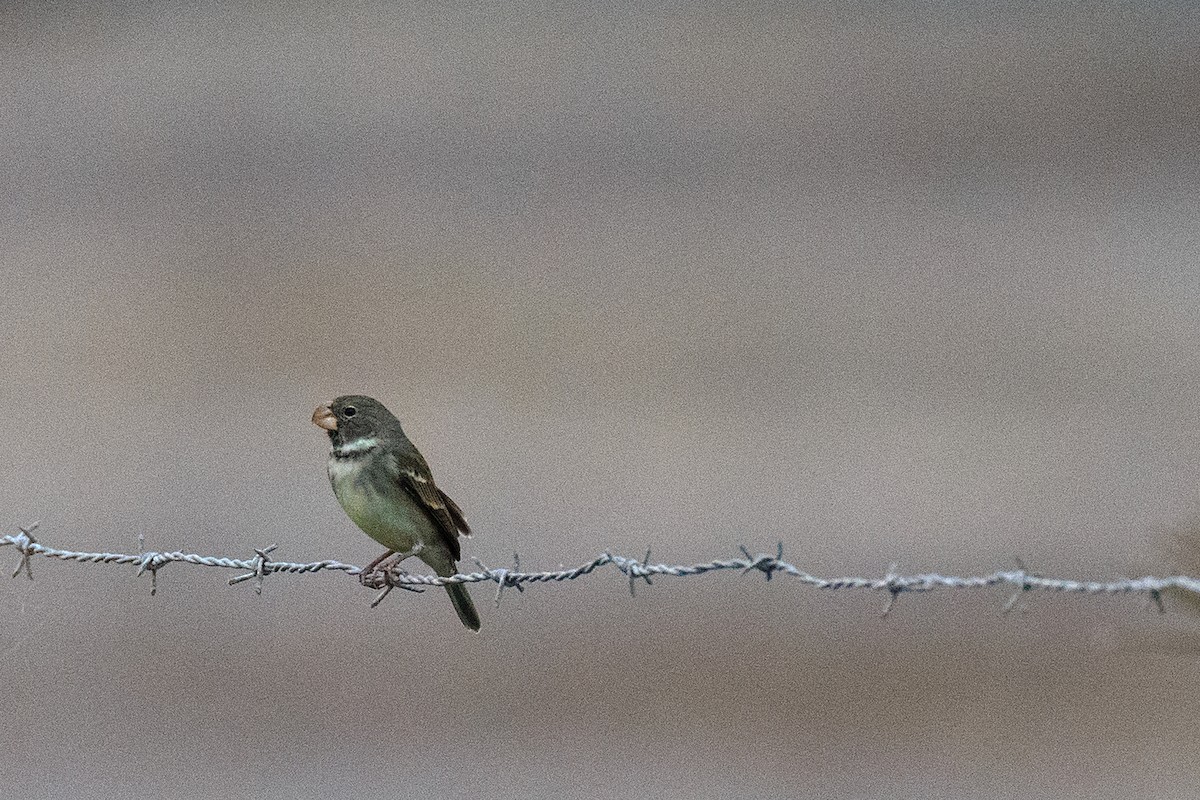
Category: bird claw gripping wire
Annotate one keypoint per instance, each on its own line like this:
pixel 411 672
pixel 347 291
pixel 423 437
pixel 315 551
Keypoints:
pixel 389 579
pixel 260 570
pixel 763 562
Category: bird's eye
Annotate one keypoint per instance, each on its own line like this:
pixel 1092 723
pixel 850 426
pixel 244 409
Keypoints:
pixel 349 411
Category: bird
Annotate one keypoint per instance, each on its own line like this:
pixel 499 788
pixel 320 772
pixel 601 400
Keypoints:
pixel 386 488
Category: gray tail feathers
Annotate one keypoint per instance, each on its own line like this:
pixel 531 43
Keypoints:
pixel 463 605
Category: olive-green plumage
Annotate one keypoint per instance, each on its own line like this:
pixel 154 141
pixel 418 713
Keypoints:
pixel 386 488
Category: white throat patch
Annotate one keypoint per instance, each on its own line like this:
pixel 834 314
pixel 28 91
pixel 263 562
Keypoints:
pixel 357 447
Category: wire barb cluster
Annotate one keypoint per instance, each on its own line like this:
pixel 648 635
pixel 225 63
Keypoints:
pixel 262 565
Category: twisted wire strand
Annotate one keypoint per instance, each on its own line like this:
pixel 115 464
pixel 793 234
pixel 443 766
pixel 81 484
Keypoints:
pixel 261 565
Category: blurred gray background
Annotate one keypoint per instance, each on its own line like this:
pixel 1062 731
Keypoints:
pixel 897 282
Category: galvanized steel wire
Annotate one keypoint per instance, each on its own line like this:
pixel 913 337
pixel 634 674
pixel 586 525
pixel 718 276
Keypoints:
pixel 261 565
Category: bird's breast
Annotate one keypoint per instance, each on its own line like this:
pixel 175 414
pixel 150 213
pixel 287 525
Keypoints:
pixel 379 507
pixel 341 472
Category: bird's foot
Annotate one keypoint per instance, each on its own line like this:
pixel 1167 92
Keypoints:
pixel 380 573
pixel 368 576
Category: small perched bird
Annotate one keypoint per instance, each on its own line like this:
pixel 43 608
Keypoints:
pixel 385 486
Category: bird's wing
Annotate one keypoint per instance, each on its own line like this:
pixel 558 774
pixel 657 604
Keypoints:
pixel 445 514
pixel 456 513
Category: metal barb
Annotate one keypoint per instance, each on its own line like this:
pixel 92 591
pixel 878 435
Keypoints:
pixel 763 562
pixel 26 531
pixel 152 563
pixel 24 546
pixel 634 574
pixel 1023 588
pixel 504 578
pixel 1156 598
pixel 893 587
pixel 260 568
pixel 1014 600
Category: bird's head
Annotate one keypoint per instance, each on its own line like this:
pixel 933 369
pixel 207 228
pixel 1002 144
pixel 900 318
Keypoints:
pixel 354 418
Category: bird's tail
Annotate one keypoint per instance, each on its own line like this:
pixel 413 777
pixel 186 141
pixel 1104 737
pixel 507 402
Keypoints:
pixel 443 564
pixel 463 605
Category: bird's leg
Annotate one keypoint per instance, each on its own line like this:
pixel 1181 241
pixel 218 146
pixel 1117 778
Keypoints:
pixel 371 567
pixel 393 560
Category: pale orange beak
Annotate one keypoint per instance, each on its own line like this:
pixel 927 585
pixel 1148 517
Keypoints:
pixel 323 418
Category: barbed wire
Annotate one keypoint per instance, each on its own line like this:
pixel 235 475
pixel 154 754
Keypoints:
pixel 635 570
